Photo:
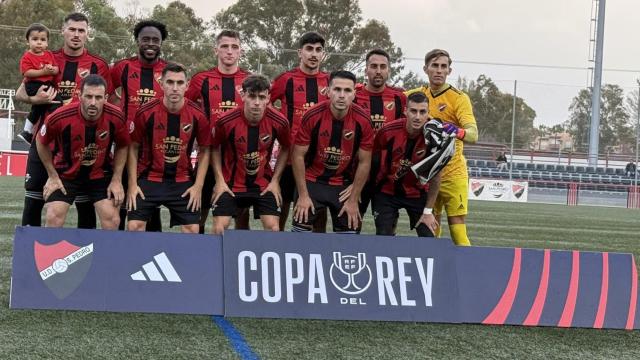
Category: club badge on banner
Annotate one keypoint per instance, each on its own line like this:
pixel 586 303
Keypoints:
pixel 498 190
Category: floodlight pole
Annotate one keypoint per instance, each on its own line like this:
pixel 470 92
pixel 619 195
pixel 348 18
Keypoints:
pixel 594 132
pixel 635 182
pixel 513 128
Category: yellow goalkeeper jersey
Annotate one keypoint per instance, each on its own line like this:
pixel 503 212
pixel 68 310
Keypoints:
pixel 453 106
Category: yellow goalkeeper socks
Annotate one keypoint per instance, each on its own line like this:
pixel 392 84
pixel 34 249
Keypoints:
pixel 459 234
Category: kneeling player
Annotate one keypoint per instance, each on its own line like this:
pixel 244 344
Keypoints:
pixel 84 133
pixel 399 145
pixel 165 130
pixel 242 145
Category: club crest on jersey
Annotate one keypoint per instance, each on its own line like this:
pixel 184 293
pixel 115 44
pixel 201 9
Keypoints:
pixel 158 77
pixel 187 128
pixel 324 91
pixel 43 130
pixel 348 135
pixel 390 105
pixel 103 135
pixel 265 138
pixel 132 127
pixel 441 107
pixel 239 89
pixel 83 73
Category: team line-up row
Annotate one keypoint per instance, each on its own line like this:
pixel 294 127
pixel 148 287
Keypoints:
pixel 119 138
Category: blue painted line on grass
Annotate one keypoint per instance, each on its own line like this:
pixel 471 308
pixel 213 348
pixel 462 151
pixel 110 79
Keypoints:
pixel 235 338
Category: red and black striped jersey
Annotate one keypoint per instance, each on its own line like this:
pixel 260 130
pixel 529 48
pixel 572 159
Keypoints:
pixel 397 153
pixel 246 150
pixel 384 106
pixel 72 69
pixel 84 147
pixel 166 140
pixel 217 92
pixel 139 83
pixel 333 144
pixel 298 92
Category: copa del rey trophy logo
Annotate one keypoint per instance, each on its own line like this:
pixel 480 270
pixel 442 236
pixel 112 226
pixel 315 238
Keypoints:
pixel 350 274
pixel 62 266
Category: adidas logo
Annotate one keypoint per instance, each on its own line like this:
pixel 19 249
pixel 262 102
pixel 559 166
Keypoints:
pixel 134 75
pixel 241 140
pixel 77 138
pixel 215 87
pixel 160 126
pixel 151 272
pixel 300 88
pixel 325 133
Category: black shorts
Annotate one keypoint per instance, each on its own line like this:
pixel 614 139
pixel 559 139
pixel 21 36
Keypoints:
pixel 94 190
pixel 207 188
pixel 287 184
pixel 228 205
pixel 169 195
pixel 326 196
pixel 386 211
pixel 368 190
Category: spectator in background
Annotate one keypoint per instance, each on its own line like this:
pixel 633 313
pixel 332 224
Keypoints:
pixel 502 161
pixel 630 169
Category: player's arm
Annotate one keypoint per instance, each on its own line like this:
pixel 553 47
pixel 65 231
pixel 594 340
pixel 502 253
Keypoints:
pixel 45 95
pixel 468 130
pixel 46 156
pixel 115 187
pixel 304 205
pixel 132 168
pixel 360 178
pixel 195 191
pixel 427 217
pixel 284 139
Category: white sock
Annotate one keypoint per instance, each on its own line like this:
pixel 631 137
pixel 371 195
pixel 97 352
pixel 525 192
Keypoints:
pixel 28 126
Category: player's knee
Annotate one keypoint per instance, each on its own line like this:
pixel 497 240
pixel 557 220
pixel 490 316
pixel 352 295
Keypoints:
pixel 136 225
pixel 190 229
pixel 110 221
pixel 55 217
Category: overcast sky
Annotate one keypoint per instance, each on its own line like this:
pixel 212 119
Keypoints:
pixel 541 32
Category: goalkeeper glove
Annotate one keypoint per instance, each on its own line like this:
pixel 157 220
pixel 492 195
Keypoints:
pixel 454 130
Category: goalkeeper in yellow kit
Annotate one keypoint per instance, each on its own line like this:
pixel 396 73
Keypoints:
pixel 453 107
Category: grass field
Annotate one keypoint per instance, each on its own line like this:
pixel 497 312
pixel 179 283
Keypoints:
pixel 88 335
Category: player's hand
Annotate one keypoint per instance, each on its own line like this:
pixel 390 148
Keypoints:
pixel 220 188
pixel 274 188
pixel 132 196
pixel 353 214
pixel 46 95
pixel 345 194
pixel 451 129
pixel 301 210
pixel 429 220
pixel 115 191
pixel 195 197
pixel 51 186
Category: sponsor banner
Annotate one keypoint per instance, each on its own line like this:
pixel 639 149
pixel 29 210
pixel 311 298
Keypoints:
pixel 351 277
pixel 116 271
pixel 498 190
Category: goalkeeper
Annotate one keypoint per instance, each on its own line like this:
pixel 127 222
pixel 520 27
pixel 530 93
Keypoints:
pixel 399 148
pixel 454 108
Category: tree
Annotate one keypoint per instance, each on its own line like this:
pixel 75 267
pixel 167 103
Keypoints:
pixel 271 34
pixel 109 35
pixel 615 126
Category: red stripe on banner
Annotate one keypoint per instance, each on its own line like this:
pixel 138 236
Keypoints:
pixel 604 292
pixel 634 295
pixel 538 304
pixel 503 308
pixel 572 294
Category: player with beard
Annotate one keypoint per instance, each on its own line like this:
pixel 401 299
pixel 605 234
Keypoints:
pixel 162 138
pixel 84 132
pixel 75 63
pixel 383 102
pixel 137 81
pixel 454 108
pixel 218 91
pixel 332 151
pixel 242 146
pixel 298 90
pixel 398 145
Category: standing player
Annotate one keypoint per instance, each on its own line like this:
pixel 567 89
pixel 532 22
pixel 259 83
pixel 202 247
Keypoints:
pixel 164 130
pixel 332 151
pixel 298 90
pixel 137 81
pixel 454 108
pixel 218 90
pixel 84 133
pixel 242 148
pixel 399 144
pixel 75 63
